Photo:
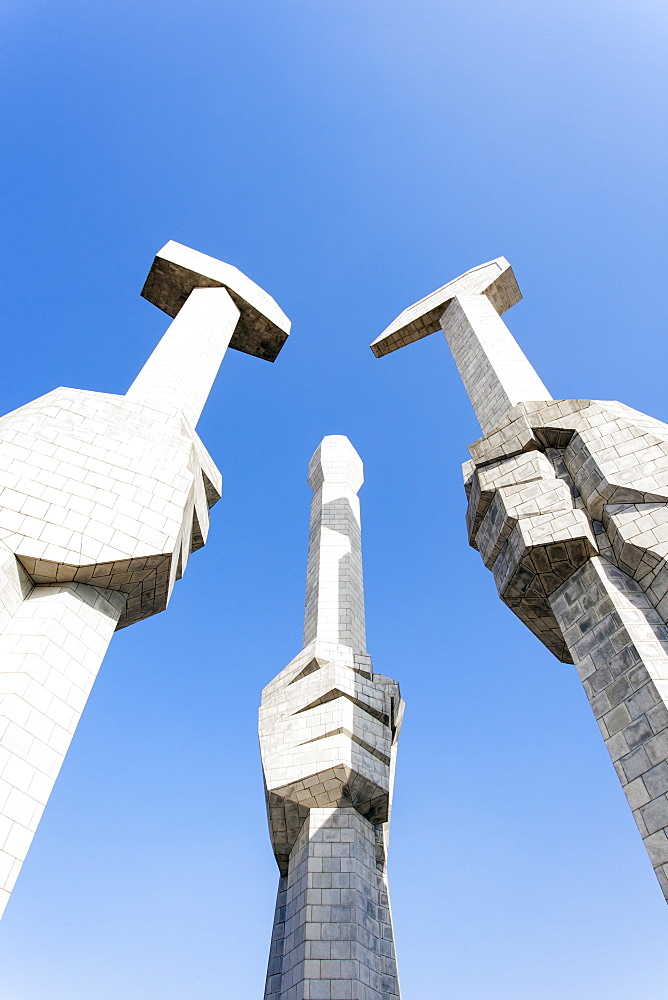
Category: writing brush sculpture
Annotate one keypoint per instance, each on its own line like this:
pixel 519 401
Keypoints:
pixel 102 500
pixel 329 728
pixel 568 507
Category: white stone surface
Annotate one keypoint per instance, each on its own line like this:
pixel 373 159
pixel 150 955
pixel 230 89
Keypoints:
pixel 50 653
pixel 328 735
pixel 99 489
pixel 102 500
pixel 185 363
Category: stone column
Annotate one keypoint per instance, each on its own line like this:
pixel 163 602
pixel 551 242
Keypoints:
pixel 568 507
pixel 328 734
pixel 102 500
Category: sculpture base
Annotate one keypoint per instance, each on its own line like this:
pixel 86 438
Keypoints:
pixel 332 936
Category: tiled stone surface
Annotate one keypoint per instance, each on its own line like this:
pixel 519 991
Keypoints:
pixel 102 500
pixel 598 474
pixel 594 481
pixel 99 489
pixel 493 368
pixel 50 653
pixel 328 728
pixel 332 937
pixel 328 734
pixel 568 506
pixel 523 519
pixel 619 644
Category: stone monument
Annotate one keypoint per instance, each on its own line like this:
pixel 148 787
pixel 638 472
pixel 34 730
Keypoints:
pixel 102 500
pixel 328 734
pixel 568 507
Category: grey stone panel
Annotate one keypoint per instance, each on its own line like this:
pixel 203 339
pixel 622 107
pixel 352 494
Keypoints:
pixel 523 519
pixel 332 933
pixel 327 738
pixel 620 647
pixel 571 515
pixel 493 368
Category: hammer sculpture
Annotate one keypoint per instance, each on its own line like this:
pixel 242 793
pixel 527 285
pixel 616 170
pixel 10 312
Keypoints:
pixel 568 507
pixel 102 500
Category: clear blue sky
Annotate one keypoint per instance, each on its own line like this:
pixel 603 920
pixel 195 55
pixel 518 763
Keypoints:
pixel 350 157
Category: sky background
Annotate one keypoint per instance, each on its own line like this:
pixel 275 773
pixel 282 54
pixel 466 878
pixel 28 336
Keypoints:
pixel 350 157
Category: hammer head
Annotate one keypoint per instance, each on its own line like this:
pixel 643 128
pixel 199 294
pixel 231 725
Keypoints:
pixel 494 279
pixel 263 327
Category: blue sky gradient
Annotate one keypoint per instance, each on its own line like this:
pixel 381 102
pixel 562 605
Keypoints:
pixel 350 157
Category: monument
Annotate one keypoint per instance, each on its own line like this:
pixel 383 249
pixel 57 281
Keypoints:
pixel 328 734
pixel 568 507
pixel 102 500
